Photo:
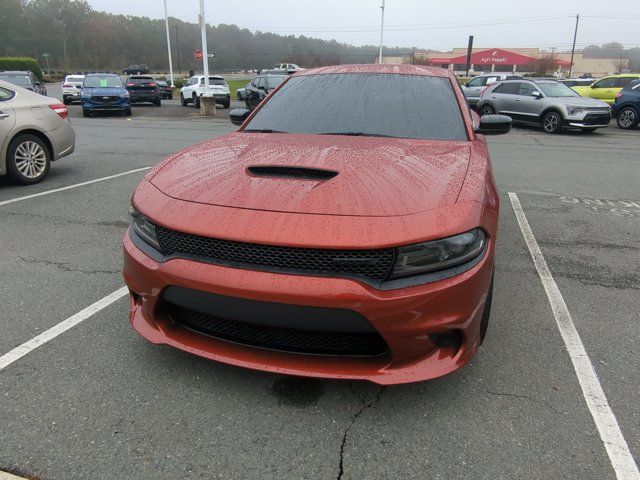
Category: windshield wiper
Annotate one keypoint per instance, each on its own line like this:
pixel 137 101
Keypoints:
pixel 263 130
pixel 358 134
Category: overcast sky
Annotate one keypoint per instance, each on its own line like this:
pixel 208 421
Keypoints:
pixel 420 23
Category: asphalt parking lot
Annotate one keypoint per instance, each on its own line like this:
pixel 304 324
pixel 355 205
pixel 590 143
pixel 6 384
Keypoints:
pixel 99 402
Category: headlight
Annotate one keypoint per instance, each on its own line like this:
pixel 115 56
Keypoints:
pixel 439 254
pixel 144 228
pixel 571 110
pixel 85 95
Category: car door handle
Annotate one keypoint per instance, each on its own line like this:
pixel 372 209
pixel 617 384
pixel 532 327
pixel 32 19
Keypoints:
pixel 3 115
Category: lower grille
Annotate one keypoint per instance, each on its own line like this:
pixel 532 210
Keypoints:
pixel 278 338
pixel 369 264
pixel 596 119
pixel 105 99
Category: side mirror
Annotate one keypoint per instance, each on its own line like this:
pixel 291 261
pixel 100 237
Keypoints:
pixel 262 87
pixel 494 125
pixel 593 85
pixel 239 115
pixel 536 94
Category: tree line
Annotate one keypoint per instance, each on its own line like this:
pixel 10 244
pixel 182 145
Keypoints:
pixel 77 37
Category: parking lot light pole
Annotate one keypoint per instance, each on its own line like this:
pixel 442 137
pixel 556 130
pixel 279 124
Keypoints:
pixel 166 24
pixel 381 32
pixel 205 55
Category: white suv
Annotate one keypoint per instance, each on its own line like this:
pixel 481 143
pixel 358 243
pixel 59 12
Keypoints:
pixel 194 89
pixel 71 88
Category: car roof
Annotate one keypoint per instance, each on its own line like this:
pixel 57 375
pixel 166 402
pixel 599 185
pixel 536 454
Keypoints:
pixel 98 74
pixel 16 72
pixel 377 68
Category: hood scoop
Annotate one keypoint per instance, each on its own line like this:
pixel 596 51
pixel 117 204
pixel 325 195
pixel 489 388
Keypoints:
pixel 301 173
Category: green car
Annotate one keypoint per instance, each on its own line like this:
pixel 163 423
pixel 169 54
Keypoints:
pixel 606 88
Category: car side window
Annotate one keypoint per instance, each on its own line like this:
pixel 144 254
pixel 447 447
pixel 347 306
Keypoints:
pixel 497 89
pixel 526 89
pixel 511 88
pixel 260 82
pixel 6 94
pixel 624 81
pixel 476 82
pixel 491 80
pixel 607 83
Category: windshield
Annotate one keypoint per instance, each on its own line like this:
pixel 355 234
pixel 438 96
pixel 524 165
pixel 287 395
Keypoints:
pixel 273 82
pixel 403 106
pixel 19 79
pixel 107 81
pixel 555 89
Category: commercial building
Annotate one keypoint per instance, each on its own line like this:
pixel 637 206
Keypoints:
pixel 509 60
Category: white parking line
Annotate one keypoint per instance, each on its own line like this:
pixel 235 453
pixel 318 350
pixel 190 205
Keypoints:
pixel 69 187
pixel 30 345
pixel 621 459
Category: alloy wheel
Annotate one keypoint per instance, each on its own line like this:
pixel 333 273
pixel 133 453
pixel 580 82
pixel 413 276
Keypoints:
pixel 551 122
pixel 30 159
pixel 626 118
pixel 486 111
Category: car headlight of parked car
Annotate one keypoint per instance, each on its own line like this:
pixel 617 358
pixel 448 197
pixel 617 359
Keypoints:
pixel 572 110
pixel 438 254
pixel 144 228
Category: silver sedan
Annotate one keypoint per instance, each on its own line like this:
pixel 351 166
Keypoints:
pixel 34 131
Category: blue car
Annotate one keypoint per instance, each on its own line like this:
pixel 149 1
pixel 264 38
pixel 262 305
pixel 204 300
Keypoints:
pixel 626 108
pixel 104 92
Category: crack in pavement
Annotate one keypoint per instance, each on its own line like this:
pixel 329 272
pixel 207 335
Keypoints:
pixel 66 266
pixel 523 397
pixel 66 221
pixel 365 406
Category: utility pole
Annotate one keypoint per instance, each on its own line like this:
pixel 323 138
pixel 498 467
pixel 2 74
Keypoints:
pixel 381 32
pixel 176 27
pixel 166 25
pixel 205 55
pixel 46 56
pixel 573 48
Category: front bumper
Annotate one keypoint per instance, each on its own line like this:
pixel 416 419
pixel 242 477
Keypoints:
pixel 589 120
pixel 121 104
pixel 410 320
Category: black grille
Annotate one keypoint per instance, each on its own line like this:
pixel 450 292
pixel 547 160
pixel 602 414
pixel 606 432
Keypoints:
pixel 596 119
pixel 278 338
pixel 371 264
pixel 105 98
pixel 303 173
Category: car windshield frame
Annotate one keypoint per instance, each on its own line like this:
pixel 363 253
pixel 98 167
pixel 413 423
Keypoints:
pixel 10 77
pixel 336 104
pixel 96 81
pixel 563 89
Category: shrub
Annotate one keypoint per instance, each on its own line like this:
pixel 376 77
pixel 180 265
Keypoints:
pixel 21 63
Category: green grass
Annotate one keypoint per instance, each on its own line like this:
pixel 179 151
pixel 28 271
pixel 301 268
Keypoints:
pixel 235 84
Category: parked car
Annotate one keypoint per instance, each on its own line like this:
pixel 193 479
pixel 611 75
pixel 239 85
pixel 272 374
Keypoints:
pixel 71 88
pixel 577 82
pixel 25 79
pixel 473 88
pixel 194 89
pixel 104 92
pixel 34 131
pixel 548 103
pixel 626 109
pixel 144 89
pixel 166 90
pixel 260 86
pixel 606 88
pixel 289 67
pixel 141 69
pixel 338 233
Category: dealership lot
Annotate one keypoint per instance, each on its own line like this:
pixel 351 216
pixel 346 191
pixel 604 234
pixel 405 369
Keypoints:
pixel 100 402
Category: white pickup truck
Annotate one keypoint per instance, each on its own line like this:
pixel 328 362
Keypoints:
pixel 194 89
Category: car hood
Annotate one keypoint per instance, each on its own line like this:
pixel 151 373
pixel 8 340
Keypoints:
pixel 580 102
pixel 105 91
pixel 375 176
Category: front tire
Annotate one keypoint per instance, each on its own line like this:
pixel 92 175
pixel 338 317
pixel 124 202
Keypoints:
pixel 196 101
pixel 86 113
pixel 226 104
pixel 552 122
pixel 628 118
pixel 66 99
pixel 183 100
pixel 157 102
pixel 28 159
pixel 486 110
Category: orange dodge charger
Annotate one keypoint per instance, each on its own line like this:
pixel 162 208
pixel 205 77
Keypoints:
pixel 346 230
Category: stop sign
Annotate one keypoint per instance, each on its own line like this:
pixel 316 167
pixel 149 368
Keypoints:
pixel 197 54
